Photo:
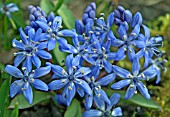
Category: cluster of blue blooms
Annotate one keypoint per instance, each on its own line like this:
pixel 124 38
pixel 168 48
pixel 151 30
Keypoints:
pixel 95 44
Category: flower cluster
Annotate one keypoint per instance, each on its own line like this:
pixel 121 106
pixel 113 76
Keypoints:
pixel 96 49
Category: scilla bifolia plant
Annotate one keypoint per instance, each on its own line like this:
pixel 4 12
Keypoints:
pixel 95 50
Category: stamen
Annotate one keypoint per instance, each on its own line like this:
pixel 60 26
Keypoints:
pixel 82 72
pixel 133 34
pixel 63 71
pixel 135 92
pixel 98 95
pixel 63 81
pixel 13 44
pixel 125 37
pixel 49 23
pixel 69 88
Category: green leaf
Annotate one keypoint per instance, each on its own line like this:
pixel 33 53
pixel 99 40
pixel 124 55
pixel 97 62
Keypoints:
pixel 67 16
pixel 22 102
pixel 74 110
pixel 58 5
pixel 60 56
pixel 4 94
pixel 15 111
pixel 47 6
pixel 136 99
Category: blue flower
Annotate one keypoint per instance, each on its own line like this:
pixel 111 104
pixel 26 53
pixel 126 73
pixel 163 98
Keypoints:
pixel 124 17
pixel 27 79
pixel 105 110
pixel 72 79
pixel 125 43
pixel 157 64
pixel 103 29
pixel 96 86
pixel 89 13
pixel 101 54
pixel 149 46
pixel 35 13
pixel 8 8
pixel 30 49
pixel 80 50
pixel 133 80
pixel 52 33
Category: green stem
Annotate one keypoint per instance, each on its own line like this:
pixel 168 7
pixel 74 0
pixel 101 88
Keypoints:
pixel 13 23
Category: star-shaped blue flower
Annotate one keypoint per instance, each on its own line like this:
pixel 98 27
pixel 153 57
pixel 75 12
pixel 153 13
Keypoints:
pixel 96 86
pixel 149 46
pixel 133 80
pixel 72 79
pixel 30 49
pixel 105 110
pixel 52 33
pixel 27 79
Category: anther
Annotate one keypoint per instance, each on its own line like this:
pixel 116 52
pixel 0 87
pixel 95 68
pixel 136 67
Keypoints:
pixel 13 44
pixel 125 37
pixel 49 23
pixel 134 34
pixel 69 88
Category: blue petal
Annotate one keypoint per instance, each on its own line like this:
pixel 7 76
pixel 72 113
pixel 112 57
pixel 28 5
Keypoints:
pixel 43 54
pixel 57 84
pixel 102 95
pixel 92 113
pixel 28 63
pixel 44 26
pixel 137 19
pixel 113 100
pixel 147 32
pixel 42 45
pixel 59 71
pixel 37 35
pixel 121 72
pixel 95 71
pixel 76 60
pixel 38 84
pixel 89 59
pixel 31 33
pixel 82 71
pixel 16 87
pixel 135 66
pixel 99 103
pixel 121 84
pixel 146 55
pixel 80 91
pixel 13 71
pixel 60 99
pixel 27 91
pixel 158 73
pixel 127 16
pixel 51 44
pixel 71 91
pixel 17 44
pixel 130 92
pixel 135 32
pixel 68 63
pixel 120 54
pixel 131 53
pixel 36 61
pixel 140 53
pixel 143 90
pixel 117 112
pixel 111 56
pixel 56 23
pixel 149 73
pixel 79 27
pixel 139 43
pixel 42 71
pixel 88 101
pixel 23 36
pixel 110 19
pixel 107 65
pixel 84 86
pixel 67 33
pixel 106 80
pixel 18 59
pixel 122 32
